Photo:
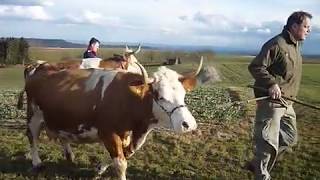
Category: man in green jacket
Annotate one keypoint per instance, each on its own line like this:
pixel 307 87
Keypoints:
pixel 277 68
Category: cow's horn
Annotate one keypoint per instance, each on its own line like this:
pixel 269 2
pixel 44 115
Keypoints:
pixel 138 49
pixel 200 66
pixel 127 48
pixel 144 74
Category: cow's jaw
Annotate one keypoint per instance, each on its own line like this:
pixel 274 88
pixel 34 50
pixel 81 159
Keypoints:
pixel 180 120
pixel 162 117
pixel 183 121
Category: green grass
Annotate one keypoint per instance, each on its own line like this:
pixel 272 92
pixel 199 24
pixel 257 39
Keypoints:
pixel 11 77
pixel 217 150
pixel 310 88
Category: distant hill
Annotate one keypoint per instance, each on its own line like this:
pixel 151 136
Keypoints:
pixel 34 42
pixel 60 43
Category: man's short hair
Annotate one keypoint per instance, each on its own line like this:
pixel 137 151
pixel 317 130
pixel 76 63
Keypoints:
pixel 297 17
pixel 93 40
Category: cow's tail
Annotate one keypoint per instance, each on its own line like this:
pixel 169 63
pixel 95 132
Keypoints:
pixel 26 71
pixel 20 99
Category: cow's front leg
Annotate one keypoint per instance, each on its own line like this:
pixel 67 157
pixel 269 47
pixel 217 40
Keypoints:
pixel 67 151
pixel 138 139
pixel 113 144
pixel 35 118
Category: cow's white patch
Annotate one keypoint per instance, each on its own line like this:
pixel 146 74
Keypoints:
pixel 132 60
pixel 100 75
pixel 164 119
pixel 90 63
pixel 121 165
pixel 34 127
pixel 134 68
pixel 126 141
pixel 91 134
pixel 31 72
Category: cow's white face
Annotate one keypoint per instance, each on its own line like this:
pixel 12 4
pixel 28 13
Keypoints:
pixel 168 105
pixel 132 60
pixel 130 54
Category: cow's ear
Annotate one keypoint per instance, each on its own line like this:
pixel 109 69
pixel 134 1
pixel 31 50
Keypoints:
pixel 189 83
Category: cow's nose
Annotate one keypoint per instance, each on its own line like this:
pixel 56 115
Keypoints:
pixel 185 125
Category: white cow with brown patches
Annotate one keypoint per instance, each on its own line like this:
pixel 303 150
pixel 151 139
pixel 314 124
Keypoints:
pixel 116 108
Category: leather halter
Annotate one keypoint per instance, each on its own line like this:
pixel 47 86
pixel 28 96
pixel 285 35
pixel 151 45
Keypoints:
pixel 169 113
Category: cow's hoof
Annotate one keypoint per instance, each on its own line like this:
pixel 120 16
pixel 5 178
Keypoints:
pixel 28 156
pixel 100 169
pixel 128 152
pixel 37 169
pixel 127 155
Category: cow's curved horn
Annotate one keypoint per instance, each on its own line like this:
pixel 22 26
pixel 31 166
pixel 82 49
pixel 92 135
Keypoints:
pixel 127 48
pixel 138 49
pixel 200 66
pixel 195 73
pixel 144 74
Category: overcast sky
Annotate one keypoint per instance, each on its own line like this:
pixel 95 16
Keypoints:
pixel 229 23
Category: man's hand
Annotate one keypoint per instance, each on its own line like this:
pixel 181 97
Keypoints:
pixel 274 91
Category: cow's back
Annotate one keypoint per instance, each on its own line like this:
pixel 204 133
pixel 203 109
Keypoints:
pixel 68 98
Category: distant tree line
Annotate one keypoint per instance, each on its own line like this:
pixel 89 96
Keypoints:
pixel 13 51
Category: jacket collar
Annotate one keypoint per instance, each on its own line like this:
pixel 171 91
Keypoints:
pixel 288 36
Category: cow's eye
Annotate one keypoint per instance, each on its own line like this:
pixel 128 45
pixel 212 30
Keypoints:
pixel 161 98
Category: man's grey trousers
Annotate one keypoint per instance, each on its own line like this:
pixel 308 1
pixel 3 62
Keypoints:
pixel 275 132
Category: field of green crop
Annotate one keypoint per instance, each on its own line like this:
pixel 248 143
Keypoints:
pixel 217 150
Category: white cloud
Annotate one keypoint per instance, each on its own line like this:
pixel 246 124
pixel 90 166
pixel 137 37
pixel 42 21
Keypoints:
pixel 264 31
pixel 159 21
pixel 27 2
pixel 4 9
pixel 183 18
pixel 93 17
pixel 72 19
pixel 24 12
pixel 168 31
pixel 90 17
pixel 47 3
pixel 244 29
pixel 217 20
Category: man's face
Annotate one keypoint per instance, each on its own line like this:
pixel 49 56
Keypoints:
pixel 301 31
pixel 95 47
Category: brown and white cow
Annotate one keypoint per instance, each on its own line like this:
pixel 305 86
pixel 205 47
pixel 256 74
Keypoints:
pixel 117 108
pixel 126 61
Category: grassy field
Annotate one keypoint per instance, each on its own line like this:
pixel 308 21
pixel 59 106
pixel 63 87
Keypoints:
pixel 11 78
pixel 217 150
